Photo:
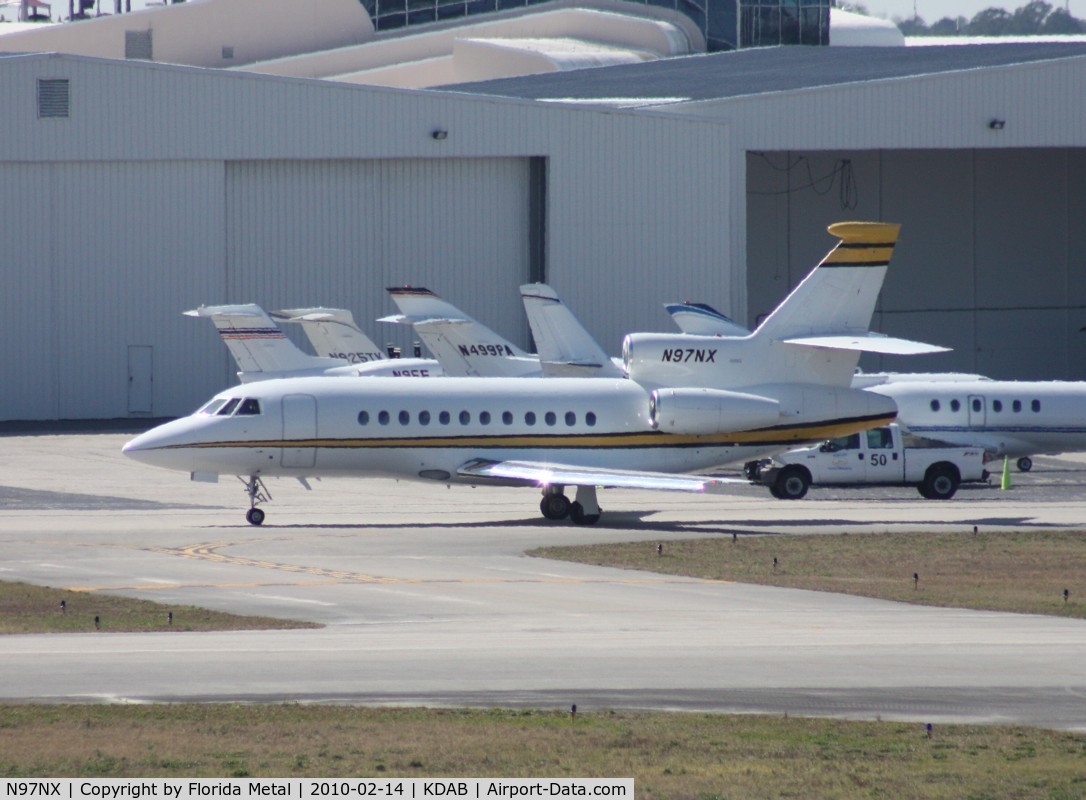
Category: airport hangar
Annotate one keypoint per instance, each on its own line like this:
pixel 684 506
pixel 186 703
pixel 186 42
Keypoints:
pixel 134 190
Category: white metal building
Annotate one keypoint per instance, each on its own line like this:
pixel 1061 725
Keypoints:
pixel 133 191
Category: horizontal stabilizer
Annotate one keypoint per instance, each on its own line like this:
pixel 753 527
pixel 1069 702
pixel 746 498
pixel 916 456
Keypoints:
pixel 422 319
pixel 543 474
pixel 869 343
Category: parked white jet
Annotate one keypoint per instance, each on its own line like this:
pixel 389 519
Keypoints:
pixel 1017 419
pixel 334 334
pixel 262 351
pixel 708 402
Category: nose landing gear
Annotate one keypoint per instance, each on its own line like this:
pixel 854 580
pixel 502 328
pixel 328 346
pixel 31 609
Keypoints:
pixel 258 493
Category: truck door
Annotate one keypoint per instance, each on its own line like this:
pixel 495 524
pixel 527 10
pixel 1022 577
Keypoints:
pixel 842 460
pixel 977 411
pixel 883 463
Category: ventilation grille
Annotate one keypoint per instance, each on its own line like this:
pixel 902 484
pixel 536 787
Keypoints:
pixel 137 45
pixel 53 97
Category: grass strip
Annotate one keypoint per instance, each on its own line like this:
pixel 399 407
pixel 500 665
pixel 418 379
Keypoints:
pixel 26 608
pixel 695 756
pixel 1017 572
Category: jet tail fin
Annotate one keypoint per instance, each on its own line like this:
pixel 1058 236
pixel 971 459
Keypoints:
pixel 565 347
pixel 462 345
pixel 256 342
pixel 333 333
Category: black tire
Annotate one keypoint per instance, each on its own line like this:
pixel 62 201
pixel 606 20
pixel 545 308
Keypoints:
pixel 792 483
pixel 554 506
pixel 773 491
pixel 254 516
pixel 1025 464
pixel 576 513
pixel 941 482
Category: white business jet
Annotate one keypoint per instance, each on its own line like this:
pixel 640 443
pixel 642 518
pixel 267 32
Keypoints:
pixel 333 333
pixel 685 408
pixel 262 351
pixel 1017 419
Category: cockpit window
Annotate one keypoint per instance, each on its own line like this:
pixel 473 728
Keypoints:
pixel 228 409
pixel 213 405
pixel 250 406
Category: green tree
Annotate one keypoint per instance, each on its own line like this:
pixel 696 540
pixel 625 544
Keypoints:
pixel 1028 19
pixel 990 22
pixel 949 27
pixel 1059 21
pixel 913 27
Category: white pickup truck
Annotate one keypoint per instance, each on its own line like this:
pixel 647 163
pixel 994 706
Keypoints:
pixel 880 456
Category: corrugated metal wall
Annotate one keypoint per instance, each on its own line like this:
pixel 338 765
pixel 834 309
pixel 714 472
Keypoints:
pixel 338 233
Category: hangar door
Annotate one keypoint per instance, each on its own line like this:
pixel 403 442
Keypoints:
pixel 337 233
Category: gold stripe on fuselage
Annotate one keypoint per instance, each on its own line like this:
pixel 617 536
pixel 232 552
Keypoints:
pixel 558 441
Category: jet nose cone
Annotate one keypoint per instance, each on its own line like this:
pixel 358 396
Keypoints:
pixel 162 446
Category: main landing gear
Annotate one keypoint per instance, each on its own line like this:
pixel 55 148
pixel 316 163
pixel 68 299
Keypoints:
pixel 582 511
pixel 258 493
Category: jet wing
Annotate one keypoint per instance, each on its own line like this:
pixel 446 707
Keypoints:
pixel 869 343
pixel 539 473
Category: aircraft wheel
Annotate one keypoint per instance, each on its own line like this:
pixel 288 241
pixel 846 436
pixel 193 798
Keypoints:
pixel 941 483
pixel 1025 464
pixel 554 506
pixel 792 483
pixel 576 513
pixel 254 516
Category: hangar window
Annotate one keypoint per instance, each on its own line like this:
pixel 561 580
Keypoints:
pixel 443 417
pixel 590 419
pixel 529 418
pixel 1035 405
pixel 997 406
pixel 571 419
pixel 405 418
pixel 550 418
pixel 484 417
pixel 507 417
pixel 228 409
pixel 250 407
pixel 1016 406
pixel 465 417
pixel 934 405
pixel 383 418
pixel 363 418
pixel 955 405
pixel 424 418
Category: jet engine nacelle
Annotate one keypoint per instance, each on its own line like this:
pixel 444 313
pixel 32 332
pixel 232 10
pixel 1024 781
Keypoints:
pixel 707 411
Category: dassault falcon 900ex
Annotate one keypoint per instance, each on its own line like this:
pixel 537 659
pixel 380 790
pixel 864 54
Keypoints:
pixel 690 403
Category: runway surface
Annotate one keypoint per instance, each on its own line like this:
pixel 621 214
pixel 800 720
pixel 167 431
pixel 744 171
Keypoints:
pixel 428 598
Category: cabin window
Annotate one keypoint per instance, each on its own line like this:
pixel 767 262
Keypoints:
pixel 1035 405
pixel 250 407
pixel 997 406
pixel 550 418
pixel 444 418
pixel 405 418
pixel 529 418
pixel 934 405
pixel 590 419
pixel 465 417
pixel 424 418
pixel 212 406
pixel 484 417
pixel 228 409
pixel 383 418
pixel 880 439
pixel 977 404
pixel 955 405
pixel 1016 406
pixel 571 419
pixel 507 417
pixel 363 418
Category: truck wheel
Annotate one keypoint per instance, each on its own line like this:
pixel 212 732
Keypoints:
pixel 1025 464
pixel 941 483
pixel 792 483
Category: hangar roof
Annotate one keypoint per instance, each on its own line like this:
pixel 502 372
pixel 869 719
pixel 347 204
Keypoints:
pixel 763 70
